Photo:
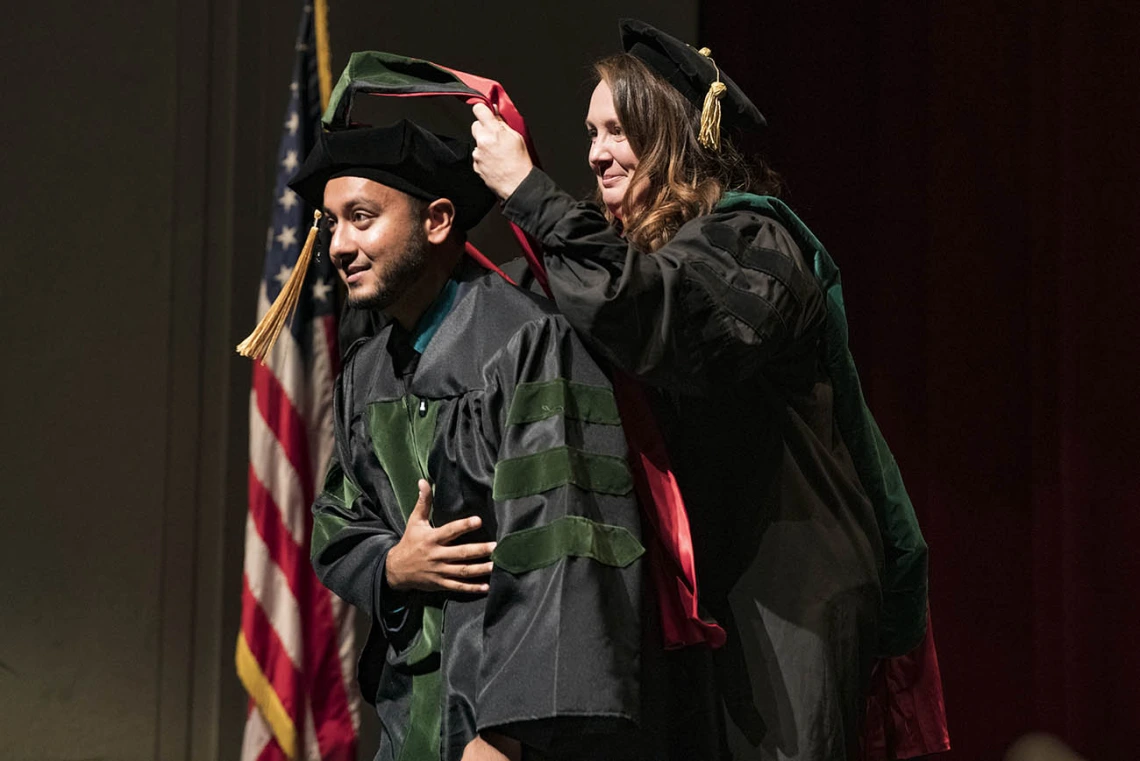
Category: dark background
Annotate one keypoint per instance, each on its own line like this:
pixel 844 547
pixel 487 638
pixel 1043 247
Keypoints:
pixel 973 167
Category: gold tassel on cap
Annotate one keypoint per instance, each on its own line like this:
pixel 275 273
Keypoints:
pixel 709 135
pixel 260 341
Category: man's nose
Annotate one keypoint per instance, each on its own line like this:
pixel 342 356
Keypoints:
pixel 339 244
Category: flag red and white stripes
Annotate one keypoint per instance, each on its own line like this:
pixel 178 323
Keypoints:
pixel 295 653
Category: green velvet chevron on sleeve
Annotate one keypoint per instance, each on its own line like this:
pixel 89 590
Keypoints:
pixel 576 401
pixel 568 536
pixel 542 471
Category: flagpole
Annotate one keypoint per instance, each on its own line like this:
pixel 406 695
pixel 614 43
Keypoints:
pixel 324 54
pixel 295 635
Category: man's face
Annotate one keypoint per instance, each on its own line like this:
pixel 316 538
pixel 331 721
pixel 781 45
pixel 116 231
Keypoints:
pixel 378 242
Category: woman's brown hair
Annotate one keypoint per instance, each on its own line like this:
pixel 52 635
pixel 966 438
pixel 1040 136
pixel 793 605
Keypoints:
pixel 685 179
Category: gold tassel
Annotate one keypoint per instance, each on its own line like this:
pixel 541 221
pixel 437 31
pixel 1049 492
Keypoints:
pixel 709 135
pixel 260 342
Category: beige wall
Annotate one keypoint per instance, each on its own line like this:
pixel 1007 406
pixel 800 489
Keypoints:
pixel 127 273
pixel 104 132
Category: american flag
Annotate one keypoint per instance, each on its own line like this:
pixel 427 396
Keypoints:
pixel 295 651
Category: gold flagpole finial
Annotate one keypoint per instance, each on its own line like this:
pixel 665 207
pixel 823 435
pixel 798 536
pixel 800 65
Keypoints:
pixel 324 52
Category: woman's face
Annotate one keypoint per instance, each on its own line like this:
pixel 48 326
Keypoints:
pixel 611 156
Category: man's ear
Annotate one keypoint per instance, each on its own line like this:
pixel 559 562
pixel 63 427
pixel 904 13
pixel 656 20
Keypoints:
pixel 438 220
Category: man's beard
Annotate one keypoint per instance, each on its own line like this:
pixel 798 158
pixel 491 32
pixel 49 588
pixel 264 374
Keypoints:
pixel 401 273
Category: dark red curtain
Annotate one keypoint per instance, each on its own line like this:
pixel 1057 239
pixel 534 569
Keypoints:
pixel 974 168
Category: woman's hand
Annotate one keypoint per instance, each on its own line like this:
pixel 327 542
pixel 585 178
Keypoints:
pixel 500 155
pixel 425 559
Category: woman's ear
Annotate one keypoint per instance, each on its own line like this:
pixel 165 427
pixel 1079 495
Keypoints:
pixel 439 217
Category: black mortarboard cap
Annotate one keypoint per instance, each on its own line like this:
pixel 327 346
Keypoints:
pixel 689 71
pixel 404 156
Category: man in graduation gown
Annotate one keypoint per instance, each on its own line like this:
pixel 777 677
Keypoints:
pixel 484 392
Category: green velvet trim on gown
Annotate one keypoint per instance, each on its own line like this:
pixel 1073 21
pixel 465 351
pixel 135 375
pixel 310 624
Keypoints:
pixel 568 536
pixel 402 431
pixel 543 471
pixel 903 616
pixel 574 401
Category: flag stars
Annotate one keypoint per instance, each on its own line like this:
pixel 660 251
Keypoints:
pixel 290 161
pixel 293 123
pixel 287 237
pixel 282 275
pixel 293 87
pixel 288 200
pixel 321 290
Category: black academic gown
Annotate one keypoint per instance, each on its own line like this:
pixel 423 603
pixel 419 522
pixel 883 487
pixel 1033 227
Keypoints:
pixel 725 325
pixel 509 418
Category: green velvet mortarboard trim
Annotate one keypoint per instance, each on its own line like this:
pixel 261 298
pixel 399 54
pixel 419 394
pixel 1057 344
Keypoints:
pixel 568 536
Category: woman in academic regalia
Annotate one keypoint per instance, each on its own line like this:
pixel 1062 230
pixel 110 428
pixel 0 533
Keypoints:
pixel 691 277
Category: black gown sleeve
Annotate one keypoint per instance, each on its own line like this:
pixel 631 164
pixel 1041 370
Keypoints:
pixel 562 628
pixel 728 296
